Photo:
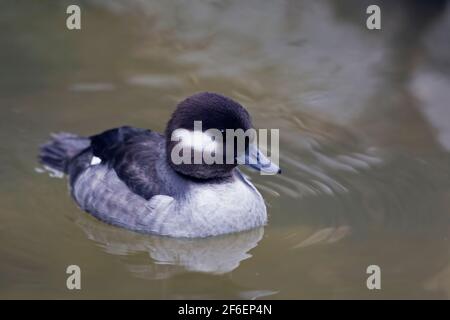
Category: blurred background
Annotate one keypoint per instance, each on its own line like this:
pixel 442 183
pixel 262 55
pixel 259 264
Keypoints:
pixel 364 121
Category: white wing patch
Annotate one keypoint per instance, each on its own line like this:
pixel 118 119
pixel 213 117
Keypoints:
pixel 95 160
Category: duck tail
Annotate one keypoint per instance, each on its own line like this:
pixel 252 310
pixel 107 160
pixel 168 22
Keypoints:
pixel 61 149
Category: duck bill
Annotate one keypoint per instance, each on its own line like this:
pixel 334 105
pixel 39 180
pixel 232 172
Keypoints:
pixel 255 159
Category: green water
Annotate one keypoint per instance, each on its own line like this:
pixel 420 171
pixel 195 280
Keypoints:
pixel 364 121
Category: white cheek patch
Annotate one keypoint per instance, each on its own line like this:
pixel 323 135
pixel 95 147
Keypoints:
pixel 95 160
pixel 197 140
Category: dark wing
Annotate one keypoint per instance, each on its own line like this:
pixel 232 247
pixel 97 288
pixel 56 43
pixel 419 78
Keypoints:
pixel 105 145
pixel 136 163
pixel 133 153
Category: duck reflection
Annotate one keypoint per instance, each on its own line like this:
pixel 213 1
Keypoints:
pixel 172 256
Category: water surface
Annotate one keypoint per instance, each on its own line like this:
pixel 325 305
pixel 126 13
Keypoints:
pixel 364 121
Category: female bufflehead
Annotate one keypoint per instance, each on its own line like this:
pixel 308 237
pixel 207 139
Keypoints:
pixel 126 176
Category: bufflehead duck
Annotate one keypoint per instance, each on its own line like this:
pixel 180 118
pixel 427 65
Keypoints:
pixel 126 176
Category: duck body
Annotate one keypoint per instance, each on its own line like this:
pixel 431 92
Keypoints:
pixel 153 198
pixel 123 177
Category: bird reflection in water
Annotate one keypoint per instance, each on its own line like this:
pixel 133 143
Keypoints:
pixel 172 256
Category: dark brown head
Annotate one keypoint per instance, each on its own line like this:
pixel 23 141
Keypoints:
pixel 200 125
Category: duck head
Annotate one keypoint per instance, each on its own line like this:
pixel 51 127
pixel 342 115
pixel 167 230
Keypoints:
pixel 209 134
